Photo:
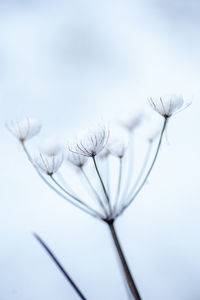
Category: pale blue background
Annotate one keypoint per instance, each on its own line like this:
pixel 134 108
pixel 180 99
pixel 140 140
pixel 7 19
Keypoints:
pixel 69 63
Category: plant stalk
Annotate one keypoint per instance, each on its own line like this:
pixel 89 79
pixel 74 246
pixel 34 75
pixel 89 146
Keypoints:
pixel 60 267
pixel 129 277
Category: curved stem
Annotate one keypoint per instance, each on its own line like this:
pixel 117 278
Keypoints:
pixel 129 278
pixel 60 267
pixel 102 183
pixel 149 171
pixel 94 191
pixel 146 159
pixel 52 187
pixel 74 197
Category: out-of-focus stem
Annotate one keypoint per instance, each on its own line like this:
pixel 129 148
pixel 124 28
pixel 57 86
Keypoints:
pixel 74 197
pixel 149 171
pixel 53 188
pixel 60 267
pixel 138 179
pixel 118 184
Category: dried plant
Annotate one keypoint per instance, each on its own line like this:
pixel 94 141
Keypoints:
pixel 94 147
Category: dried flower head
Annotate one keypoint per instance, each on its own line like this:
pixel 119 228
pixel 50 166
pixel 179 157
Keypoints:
pixel 153 134
pixel 131 121
pixel 50 147
pixel 25 129
pixel 76 159
pixel 91 142
pixel 49 164
pixel 168 105
pixel 104 153
pixel 118 147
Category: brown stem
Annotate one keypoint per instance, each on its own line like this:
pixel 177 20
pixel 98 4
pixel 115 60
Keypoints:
pixel 129 278
pixel 66 275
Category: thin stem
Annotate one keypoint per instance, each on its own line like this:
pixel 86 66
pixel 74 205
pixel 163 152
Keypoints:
pixel 119 184
pixel 130 162
pixel 52 187
pixel 66 275
pixel 146 159
pixel 102 183
pixel 74 197
pixel 129 278
pixel 94 191
pixel 107 170
pixel 61 179
pixel 149 171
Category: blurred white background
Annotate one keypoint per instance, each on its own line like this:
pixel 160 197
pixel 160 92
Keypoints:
pixel 69 63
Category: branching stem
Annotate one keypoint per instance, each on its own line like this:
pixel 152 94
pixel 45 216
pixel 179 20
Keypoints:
pixel 149 171
pixel 94 191
pixel 74 197
pixel 53 188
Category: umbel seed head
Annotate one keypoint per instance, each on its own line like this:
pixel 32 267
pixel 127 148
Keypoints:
pixel 91 142
pixel 50 147
pixel 24 129
pixel 76 159
pixel 167 106
pixel 49 164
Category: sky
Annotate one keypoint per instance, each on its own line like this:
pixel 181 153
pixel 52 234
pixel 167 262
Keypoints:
pixel 70 64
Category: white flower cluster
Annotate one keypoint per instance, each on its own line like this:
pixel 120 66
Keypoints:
pixel 91 142
pixel 25 129
pixel 49 164
pixel 76 159
pixel 168 105
pixel 51 158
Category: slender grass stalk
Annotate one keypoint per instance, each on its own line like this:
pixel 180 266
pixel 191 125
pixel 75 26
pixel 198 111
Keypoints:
pixel 127 272
pixel 60 267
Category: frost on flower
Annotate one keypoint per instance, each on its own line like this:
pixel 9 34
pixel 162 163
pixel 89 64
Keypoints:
pixel 104 153
pixel 152 134
pixel 118 147
pixel 131 120
pixel 168 105
pixel 91 142
pixel 76 159
pixel 50 147
pixel 49 164
pixel 25 129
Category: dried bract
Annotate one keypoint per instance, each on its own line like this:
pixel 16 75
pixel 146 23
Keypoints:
pixel 25 129
pixel 49 164
pixel 91 142
pixel 168 105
